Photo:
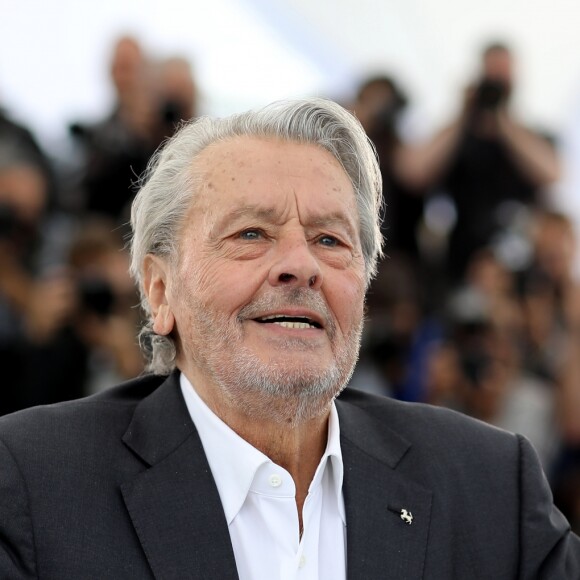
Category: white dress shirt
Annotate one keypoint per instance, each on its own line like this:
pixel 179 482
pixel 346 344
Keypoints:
pixel 259 503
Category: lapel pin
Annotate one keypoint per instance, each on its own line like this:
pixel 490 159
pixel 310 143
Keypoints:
pixel 407 516
pixel 403 513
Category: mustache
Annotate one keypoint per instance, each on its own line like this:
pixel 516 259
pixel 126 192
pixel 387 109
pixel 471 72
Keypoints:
pixel 296 297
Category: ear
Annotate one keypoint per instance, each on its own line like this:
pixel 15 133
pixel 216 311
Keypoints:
pixel 155 276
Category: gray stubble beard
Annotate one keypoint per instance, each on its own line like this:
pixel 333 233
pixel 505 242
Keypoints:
pixel 267 391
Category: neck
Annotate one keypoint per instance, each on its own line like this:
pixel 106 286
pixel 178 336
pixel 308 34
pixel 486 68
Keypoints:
pixel 297 446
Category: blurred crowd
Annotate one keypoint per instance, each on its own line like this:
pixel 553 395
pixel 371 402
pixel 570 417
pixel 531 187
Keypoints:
pixel 476 306
pixel 68 308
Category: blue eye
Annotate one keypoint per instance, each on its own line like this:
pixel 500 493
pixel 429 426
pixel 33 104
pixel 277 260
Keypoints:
pixel 328 241
pixel 250 235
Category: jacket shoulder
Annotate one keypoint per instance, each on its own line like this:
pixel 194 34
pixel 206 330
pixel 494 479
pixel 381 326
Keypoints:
pixel 96 412
pixel 430 428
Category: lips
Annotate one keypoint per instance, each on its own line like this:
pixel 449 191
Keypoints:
pixel 300 310
pixel 290 321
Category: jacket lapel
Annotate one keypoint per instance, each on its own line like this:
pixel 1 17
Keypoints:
pixel 379 542
pixel 178 516
pixel 174 503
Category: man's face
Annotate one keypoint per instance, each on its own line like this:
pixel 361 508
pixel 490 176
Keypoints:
pixel 498 66
pixel 267 295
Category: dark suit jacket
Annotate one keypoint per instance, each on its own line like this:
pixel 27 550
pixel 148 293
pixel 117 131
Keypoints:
pixel 118 486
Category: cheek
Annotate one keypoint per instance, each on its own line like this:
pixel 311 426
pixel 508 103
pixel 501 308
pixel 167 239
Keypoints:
pixel 216 282
pixel 347 301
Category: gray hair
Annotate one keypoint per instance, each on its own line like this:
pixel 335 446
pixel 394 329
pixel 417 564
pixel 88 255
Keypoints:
pixel 169 186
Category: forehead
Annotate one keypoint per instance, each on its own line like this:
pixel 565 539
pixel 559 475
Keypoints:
pixel 253 154
pixel 270 172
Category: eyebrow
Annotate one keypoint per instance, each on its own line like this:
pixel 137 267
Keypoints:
pixel 269 214
pixel 334 219
pixel 238 213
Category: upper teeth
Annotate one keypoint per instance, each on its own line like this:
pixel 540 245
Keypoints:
pixel 289 323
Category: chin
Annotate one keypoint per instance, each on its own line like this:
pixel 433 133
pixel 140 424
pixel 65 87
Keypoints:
pixel 289 392
pixel 290 410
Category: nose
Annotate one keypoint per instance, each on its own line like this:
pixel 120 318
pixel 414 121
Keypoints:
pixel 295 266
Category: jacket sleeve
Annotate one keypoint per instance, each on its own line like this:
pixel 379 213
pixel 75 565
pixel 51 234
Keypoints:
pixel 17 553
pixel 548 549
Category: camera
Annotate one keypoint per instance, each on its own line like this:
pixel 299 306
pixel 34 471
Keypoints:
pixel 9 222
pixel 490 94
pixel 96 296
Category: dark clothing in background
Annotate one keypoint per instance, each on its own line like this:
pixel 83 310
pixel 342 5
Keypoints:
pixel 41 374
pixel 482 176
pixel 403 213
pixel 19 143
pixel 20 139
pixel 115 159
pixel 403 206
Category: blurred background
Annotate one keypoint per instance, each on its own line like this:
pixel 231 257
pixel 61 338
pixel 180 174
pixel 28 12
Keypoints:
pixel 248 52
pixel 474 110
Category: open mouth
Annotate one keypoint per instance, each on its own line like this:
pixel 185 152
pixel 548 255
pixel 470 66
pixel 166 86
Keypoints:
pixel 299 322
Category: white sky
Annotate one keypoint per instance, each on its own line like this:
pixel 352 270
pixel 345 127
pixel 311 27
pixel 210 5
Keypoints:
pixel 54 53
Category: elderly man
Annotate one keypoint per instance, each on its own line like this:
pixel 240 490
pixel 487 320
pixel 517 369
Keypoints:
pixel 255 238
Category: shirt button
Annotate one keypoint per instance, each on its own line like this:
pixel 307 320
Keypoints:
pixel 302 561
pixel 275 480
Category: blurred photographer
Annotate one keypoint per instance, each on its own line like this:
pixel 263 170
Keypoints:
pixel 116 149
pixel 36 297
pixel 379 106
pixel 66 326
pixel 486 161
pixel 106 319
pixel 152 98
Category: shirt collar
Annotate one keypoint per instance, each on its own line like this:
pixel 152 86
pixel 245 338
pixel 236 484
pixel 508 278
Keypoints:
pixel 234 462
